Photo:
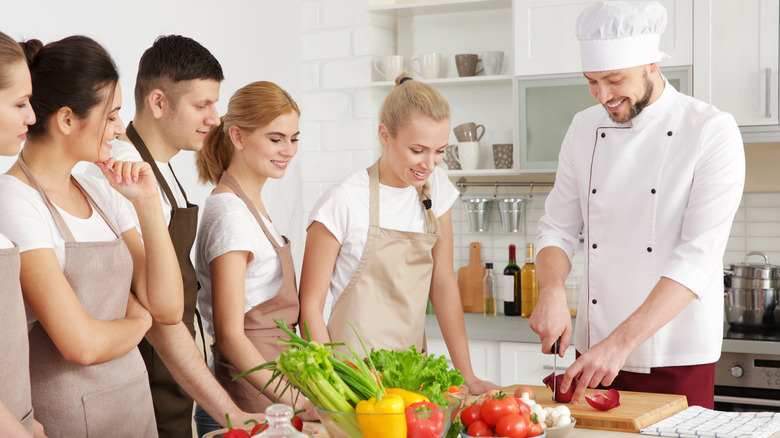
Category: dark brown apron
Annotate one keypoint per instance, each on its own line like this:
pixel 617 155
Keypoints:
pixel 386 298
pixel 172 405
pixel 14 359
pixel 259 326
pixel 105 399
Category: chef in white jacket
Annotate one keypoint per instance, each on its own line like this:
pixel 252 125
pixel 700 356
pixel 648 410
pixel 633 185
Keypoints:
pixel 655 177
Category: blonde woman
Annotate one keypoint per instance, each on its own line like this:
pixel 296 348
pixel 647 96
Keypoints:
pixel 244 265
pixel 90 284
pixel 16 414
pixel 381 239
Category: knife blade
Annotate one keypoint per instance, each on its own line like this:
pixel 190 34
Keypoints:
pixel 554 350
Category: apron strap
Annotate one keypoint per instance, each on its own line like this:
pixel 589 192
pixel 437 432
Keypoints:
pixel 373 195
pixel 58 220
pixel 181 189
pixel 228 180
pixel 139 144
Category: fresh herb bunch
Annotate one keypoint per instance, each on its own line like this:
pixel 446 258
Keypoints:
pixel 409 369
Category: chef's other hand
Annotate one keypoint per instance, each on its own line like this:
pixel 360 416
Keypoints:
pixel 551 318
pixel 597 366
pixel 135 180
pixel 479 386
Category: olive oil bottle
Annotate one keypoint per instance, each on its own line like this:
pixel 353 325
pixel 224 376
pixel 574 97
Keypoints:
pixel 488 291
pixel 529 283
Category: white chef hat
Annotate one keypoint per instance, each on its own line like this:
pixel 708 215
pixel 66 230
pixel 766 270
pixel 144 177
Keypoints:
pixel 615 34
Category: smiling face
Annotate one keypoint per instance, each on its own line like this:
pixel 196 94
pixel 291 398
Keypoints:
pixel 192 114
pixel 624 93
pixel 15 110
pixel 414 152
pixel 104 122
pixel 268 150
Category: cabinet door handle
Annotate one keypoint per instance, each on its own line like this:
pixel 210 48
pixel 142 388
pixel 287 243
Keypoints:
pixel 768 112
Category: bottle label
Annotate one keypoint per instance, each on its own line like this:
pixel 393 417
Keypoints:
pixel 508 288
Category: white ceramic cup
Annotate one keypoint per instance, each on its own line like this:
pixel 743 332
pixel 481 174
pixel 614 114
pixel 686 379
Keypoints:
pixel 468 154
pixel 492 61
pixel 390 67
pixel 428 65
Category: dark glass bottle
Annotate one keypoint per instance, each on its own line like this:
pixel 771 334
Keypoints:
pixel 511 285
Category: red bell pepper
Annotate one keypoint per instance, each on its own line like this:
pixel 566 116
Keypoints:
pixel 421 423
pixel 234 433
pixel 604 401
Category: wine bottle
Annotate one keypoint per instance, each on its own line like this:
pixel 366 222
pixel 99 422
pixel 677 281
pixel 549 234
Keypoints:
pixel 511 285
pixel 488 292
pixel 529 284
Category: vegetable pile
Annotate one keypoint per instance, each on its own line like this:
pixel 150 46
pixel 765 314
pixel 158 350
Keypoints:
pixel 406 383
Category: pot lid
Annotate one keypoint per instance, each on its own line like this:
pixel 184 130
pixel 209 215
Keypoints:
pixel 755 270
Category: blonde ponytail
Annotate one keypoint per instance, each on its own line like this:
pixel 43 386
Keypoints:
pixel 431 221
pixel 215 155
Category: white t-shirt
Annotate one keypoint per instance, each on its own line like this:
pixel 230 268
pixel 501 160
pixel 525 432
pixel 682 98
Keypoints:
pixel 5 243
pixel 125 151
pixel 26 220
pixel 344 210
pixel 228 225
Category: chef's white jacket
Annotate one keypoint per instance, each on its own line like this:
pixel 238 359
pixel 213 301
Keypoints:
pixel 657 196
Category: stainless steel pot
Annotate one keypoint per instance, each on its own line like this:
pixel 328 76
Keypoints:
pixel 752 307
pixel 751 294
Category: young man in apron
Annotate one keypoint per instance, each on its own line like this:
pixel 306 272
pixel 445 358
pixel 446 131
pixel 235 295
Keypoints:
pixel 177 85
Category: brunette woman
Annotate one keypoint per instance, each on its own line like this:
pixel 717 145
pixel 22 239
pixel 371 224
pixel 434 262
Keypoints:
pixel 16 414
pixel 381 239
pixel 91 286
pixel 244 265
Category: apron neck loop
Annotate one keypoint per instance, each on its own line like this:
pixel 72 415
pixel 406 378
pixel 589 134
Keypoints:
pixel 143 150
pixel 228 180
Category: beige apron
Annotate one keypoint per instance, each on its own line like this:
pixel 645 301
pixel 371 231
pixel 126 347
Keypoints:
pixel 172 405
pixel 14 359
pixel 259 326
pixel 106 399
pixel 386 298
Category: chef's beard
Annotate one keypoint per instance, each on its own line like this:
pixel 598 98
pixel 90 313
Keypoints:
pixel 637 107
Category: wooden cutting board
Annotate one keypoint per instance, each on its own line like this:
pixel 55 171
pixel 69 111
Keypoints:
pixel 636 410
pixel 470 281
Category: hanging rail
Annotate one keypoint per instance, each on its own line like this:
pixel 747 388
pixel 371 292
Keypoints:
pixel 462 184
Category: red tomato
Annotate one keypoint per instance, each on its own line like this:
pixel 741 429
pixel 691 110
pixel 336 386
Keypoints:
pixel 471 414
pixel 525 410
pixel 479 428
pixel 513 426
pixel 297 423
pixel 498 407
pixel 535 429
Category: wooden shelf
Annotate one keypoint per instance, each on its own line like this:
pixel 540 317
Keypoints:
pixel 469 80
pixel 439 7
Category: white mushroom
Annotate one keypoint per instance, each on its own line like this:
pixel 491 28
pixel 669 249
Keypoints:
pixel 561 420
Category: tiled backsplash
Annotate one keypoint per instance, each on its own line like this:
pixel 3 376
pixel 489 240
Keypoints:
pixel 756 228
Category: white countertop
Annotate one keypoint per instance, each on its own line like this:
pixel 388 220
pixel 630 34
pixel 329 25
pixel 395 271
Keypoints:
pixel 515 329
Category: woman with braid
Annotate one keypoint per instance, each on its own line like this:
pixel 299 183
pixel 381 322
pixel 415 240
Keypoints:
pixel 381 239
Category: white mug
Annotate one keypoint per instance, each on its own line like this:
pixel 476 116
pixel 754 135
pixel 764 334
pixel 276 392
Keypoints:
pixel 428 65
pixel 492 61
pixel 392 66
pixel 468 154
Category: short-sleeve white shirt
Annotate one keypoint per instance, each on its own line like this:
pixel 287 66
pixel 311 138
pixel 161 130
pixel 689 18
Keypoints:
pixel 344 211
pixel 228 225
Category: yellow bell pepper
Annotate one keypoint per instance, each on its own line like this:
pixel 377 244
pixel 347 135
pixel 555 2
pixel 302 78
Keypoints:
pixel 408 396
pixel 382 426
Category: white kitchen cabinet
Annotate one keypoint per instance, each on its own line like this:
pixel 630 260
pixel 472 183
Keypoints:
pixel 546 43
pixel 485 358
pixel 736 61
pixel 524 363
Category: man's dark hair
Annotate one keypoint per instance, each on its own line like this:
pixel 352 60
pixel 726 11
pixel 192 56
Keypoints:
pixel 170 60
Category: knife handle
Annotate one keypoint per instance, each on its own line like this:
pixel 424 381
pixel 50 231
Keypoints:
pixel 556 346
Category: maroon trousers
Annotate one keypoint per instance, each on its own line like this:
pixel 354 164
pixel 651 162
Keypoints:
pixel 696 382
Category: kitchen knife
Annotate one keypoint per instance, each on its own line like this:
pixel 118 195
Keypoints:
pixel 554 350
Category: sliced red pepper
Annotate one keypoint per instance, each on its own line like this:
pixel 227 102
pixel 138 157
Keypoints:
pixel 234 433
pixel 604 401
pixel 421 423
